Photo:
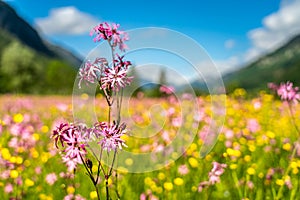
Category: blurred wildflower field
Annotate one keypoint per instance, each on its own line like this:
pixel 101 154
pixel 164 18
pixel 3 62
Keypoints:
pixel 255 147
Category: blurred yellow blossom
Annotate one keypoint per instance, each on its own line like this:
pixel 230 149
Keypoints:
pixel 14 173
pixel 29 182
pixel 5 154
pixel 161 176
pixel 287 146
pixel 251 171
pixel 178 181
pixel 280 182
pixel 18 118
pixel 168 186
pixel 45 129
pixel 70 190
pixel 128 161
pixel 193 162
pixel 93 195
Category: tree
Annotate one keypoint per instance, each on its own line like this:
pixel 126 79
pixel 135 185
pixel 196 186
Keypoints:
pixel 60 77
pixel 20 70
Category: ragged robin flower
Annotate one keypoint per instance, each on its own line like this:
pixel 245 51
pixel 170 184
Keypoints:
pixel 286 91
pixel 110 32
pixel 116 77
pixel 110 135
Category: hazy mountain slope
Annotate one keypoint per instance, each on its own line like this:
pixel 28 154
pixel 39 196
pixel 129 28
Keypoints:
pixel 281 65
pixel 28 63
pixel 13 25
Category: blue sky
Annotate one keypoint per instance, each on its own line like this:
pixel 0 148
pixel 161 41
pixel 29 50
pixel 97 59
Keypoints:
pixel 232 32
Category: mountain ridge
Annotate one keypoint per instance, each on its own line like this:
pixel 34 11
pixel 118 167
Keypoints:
pixel 280 65
pixel 28 62
pixel 13 24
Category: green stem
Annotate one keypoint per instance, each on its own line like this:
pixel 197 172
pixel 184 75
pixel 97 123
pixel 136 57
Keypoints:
pixel 293 118
pixel 89 172
pixel 106 188
pixel 280 191
pixel 109 113
pixel 112 164
pixel 98 194
pixel 236 181
pixel 117 191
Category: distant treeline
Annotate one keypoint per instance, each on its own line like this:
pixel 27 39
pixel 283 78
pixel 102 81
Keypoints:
pixel 23 70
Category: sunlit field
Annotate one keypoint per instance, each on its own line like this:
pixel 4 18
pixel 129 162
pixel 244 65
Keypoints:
pixel 256 151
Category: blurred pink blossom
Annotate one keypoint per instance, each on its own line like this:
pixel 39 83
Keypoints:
pixel 167 89
pixel 8 188
pixel 286 91
pixel 73 197
pixel 252 125
pixel 38 170
pixel 177 121
pixel 110 32
pixel 183 169
pixel 51 178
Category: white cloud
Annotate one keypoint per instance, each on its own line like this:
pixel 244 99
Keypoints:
pixel 66 21
pixel 277 29
pixel 252 54
pixel 229 44
pixel 228 65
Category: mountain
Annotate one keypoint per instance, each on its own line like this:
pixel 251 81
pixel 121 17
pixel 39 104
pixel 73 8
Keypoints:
pixel 11 23
pixel 19 28
pixel 281 65
pixel 30 64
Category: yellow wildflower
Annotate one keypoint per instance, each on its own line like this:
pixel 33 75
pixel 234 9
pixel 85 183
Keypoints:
pixel 193 162
pixel 29 182
pixel 18 118
pixel 70 190
pixel 93 195
pixel 178 181
pixel 168 186
pixel 251 171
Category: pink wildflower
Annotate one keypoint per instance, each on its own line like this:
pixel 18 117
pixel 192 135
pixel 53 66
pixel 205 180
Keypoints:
pixel 90 72
pixel 143 196
pixel 8 188
pixel 51 178
pixel 216 172
pixel 183 170
pixel 167 89
pixel 74 197
pixel 111 135
pixel 177 121
pixel 38 170
pixel 202 185
pixel 73 139
pixel 110 32
pixel 286 91
pixel 252 125
pixel 116 77
pixel 214 176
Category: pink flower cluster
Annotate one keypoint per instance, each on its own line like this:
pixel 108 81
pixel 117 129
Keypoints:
pixel 111 135
pixel 116 77
pixel 167 89
pixel 214 175
pixel 109 77
pixel 73 140
pixel 90 72
pixel 286 91
pixel 110 32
